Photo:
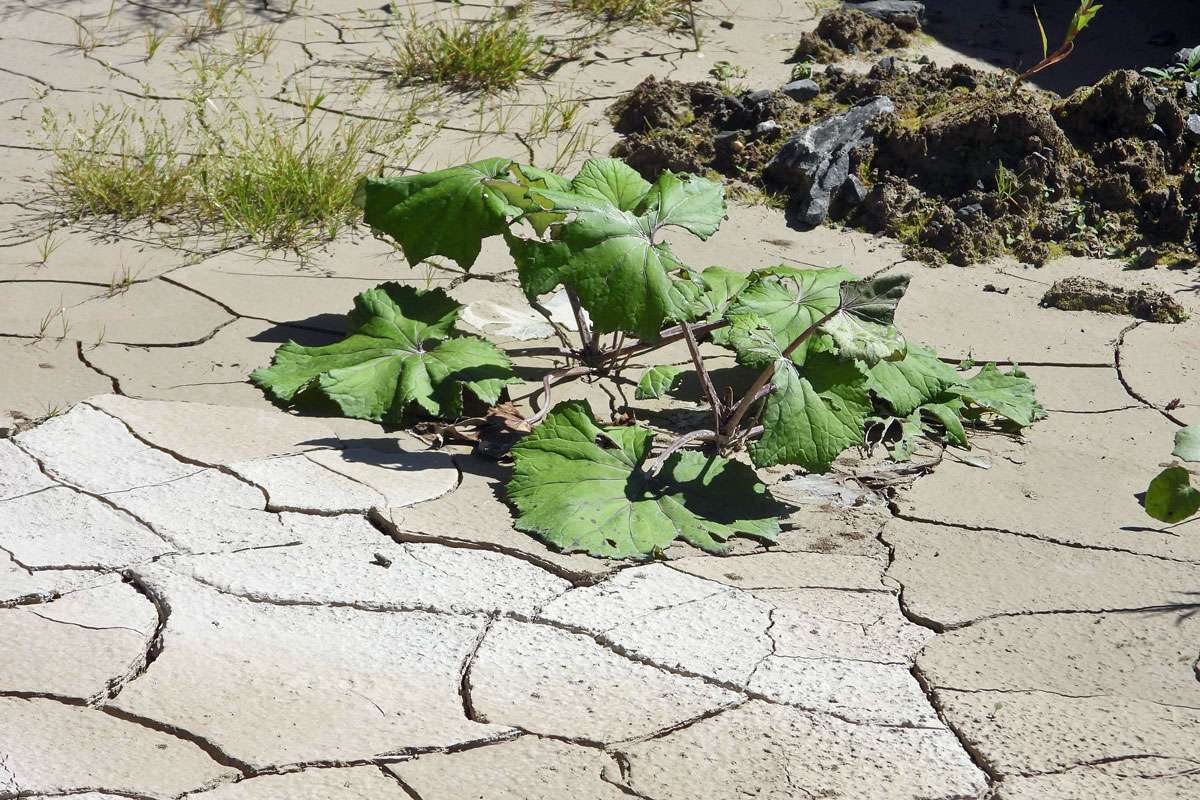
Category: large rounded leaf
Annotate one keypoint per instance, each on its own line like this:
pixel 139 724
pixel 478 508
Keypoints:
pixel 1171 497
pixel 580 487
pixel 444 213
pixel 400 352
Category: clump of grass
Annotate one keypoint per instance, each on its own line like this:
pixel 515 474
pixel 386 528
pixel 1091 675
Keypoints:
pixel 119 163
pixel 487 55
pixel 254 177
pixel 280 185
pixel 651 12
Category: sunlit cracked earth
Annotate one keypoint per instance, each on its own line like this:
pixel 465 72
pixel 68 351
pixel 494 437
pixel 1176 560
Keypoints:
pixel 202 596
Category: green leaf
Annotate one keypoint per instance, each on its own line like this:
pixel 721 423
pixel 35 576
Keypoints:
pixel 1042 31
pixel 1187 443
pixel 581 488
pixel 790 301
pixel 399 352
pixel 721 287
pixel 657 381
pixel 626 278
pixel 811 418
pixel 684 201
pixel 612 181
pixel 918 378
pixel 1171 497
pixel 949 419
pixel 445 213
pixel 1011 395
pixel 866 341
pixel 874 299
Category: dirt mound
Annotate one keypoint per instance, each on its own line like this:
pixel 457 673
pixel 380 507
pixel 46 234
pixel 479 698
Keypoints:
pixel 846 33
pixel 1088 294
pixel 966 168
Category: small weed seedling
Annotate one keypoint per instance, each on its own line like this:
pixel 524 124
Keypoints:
pixel 820 354
pixel 47 245
pixel 154 40
pixel 1081 19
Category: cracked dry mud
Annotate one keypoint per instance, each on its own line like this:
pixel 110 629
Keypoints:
pixel 204 597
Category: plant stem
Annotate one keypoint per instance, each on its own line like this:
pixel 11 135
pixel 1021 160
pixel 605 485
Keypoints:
pixel 752 394
pixel 692 22
pixel 585 330
pixel 550 379
pixel 710 392
pixel 668 336
pixel 691 436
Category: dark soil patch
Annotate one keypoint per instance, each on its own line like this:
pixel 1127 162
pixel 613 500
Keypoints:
pixel 966 169
pixel 846 33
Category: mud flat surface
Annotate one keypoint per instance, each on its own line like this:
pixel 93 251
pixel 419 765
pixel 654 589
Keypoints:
pixel 203 596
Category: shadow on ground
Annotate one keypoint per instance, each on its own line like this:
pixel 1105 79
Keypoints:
pixel 1125 34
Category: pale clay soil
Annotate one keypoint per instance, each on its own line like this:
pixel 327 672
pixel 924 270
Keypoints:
pixel 193 597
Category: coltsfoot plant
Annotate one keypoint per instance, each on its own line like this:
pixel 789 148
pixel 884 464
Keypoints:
pixel 826 367
pixel 1171 498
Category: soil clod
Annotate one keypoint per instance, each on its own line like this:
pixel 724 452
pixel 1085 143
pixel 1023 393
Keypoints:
pixel 1079 293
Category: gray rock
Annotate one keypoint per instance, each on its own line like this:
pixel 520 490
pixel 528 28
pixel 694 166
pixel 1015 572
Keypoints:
pixel 1192 126
pixel 805 89
pixel 757 96
pixel 815 163
pixel 854 192
pixel 970 212
pixel 767 128
pixel 1184 55
pixel 904 14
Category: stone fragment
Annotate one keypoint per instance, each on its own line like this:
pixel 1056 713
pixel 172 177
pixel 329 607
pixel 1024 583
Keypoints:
pixel 782 570
pixel 52 378
pixel 336 684
pixel 1095 507
pixel 524 769
pixel 763 750
pixel 857 691
pixel 1150 363
pixel 815 162
pixel 1169 780
pixel 297 482
pixel 801 90
pixel 20 586
pixel 52 748
pixel 379 575
pixel 1192 126
pixel 153 312
pixel 1037 732
pixel 206 510
pixel 346 783
pixel 19 474
pixel 548 681
pixel 823 623
pixel 904 14
pixel 953 575
pixel 767 128
pixel 1079 293
pixel 404 478
pixel 96 452
pixel 75 646
pixel 673 619
pixel 1147 656
pixel 62 527
pixel 213 434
